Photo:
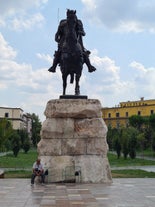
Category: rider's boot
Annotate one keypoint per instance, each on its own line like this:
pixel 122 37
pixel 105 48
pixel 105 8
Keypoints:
pixel 90 67
pixel 53 67
pixel 55 62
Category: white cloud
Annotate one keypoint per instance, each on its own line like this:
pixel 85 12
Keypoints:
pixel 19 15
pixel 143 79
pixel 138 66
pixel 9 8
pixel 6 51
pixel 121 15
pixel 44 57
pixel 21 23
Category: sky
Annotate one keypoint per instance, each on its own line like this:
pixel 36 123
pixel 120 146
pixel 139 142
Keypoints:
pixel 120 35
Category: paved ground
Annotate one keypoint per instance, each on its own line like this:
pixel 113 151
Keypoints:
pixel 121 193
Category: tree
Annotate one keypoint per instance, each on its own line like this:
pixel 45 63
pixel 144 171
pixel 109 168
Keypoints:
pixel 26 146
pixel 110 135
pixel 25 142
pixel 5 131
pixel 36 128
pixel 125 142
pixel 152 121
pixel 152 129
pixel 117 143
pixel 141 140
pixel 132 142
pixel 136 121
pixel 15 143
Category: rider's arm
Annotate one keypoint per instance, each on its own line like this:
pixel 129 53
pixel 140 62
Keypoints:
pixel 80 28
pixel 59 32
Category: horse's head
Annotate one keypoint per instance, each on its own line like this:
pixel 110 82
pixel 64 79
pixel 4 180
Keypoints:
pixel 71 17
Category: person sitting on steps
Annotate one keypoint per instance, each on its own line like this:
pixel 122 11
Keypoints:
pixel 38 170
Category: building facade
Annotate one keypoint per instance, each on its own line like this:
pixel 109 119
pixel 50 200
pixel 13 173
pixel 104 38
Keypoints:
pixel 119 115
pixel 18 119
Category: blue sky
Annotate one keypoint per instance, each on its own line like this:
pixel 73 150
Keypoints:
pixel 120 35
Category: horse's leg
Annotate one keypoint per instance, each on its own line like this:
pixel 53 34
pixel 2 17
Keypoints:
pixel 77 87
pixel 64 78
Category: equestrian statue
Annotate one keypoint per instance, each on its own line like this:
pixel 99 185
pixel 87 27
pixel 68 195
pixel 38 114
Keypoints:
pixel 71 54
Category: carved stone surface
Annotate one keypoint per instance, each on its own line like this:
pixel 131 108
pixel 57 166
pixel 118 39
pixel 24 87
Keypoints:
pixel 73 108
pixel 74 134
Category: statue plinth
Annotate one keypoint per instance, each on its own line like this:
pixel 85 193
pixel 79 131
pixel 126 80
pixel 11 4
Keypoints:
pixel 74 136
pixel 73 97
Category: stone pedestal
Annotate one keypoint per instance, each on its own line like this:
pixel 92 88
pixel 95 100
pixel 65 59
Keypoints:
pixel 74 135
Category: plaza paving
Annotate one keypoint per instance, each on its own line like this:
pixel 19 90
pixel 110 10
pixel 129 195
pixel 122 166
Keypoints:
pixel 121 193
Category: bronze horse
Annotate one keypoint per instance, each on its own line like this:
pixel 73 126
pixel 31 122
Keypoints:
pixel 71 60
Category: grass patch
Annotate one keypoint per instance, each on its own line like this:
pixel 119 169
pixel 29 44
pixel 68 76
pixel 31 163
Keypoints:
pixel 121 162
pixel 23 160
pixel 148 153
pixel 132 174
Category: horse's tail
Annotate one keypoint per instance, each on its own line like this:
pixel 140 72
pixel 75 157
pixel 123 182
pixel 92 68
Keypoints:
pixel 72 78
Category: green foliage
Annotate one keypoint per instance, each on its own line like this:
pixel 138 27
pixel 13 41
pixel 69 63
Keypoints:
pixel 5 131
pixel 15 143
pixel 140 135
pixel 25 141
pixel 110 134
pixel 152 121
pixel 36 127
pixel 11 139
pixel 117 143
pixel 136 121
pixel 26 146
pixel 132 144
pixel 125 142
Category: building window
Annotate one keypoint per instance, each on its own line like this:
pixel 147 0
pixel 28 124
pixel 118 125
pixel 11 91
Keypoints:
pixel 109 115
pixel 126 114
pixel 152 112
pixel 117 114
pixel 6 115
pixel 139 113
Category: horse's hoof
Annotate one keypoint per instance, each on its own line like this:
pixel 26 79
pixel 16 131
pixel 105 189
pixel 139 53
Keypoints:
pixel 77 93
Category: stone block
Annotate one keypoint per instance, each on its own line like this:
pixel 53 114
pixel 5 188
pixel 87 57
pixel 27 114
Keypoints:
pixel 73 108
pixel 94 169
pixel 87 128
pixel 57 128
pixel 73 146
pixel 49 147
pixel 96 146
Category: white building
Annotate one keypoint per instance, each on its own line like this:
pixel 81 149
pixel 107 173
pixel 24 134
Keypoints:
pixel 18 119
